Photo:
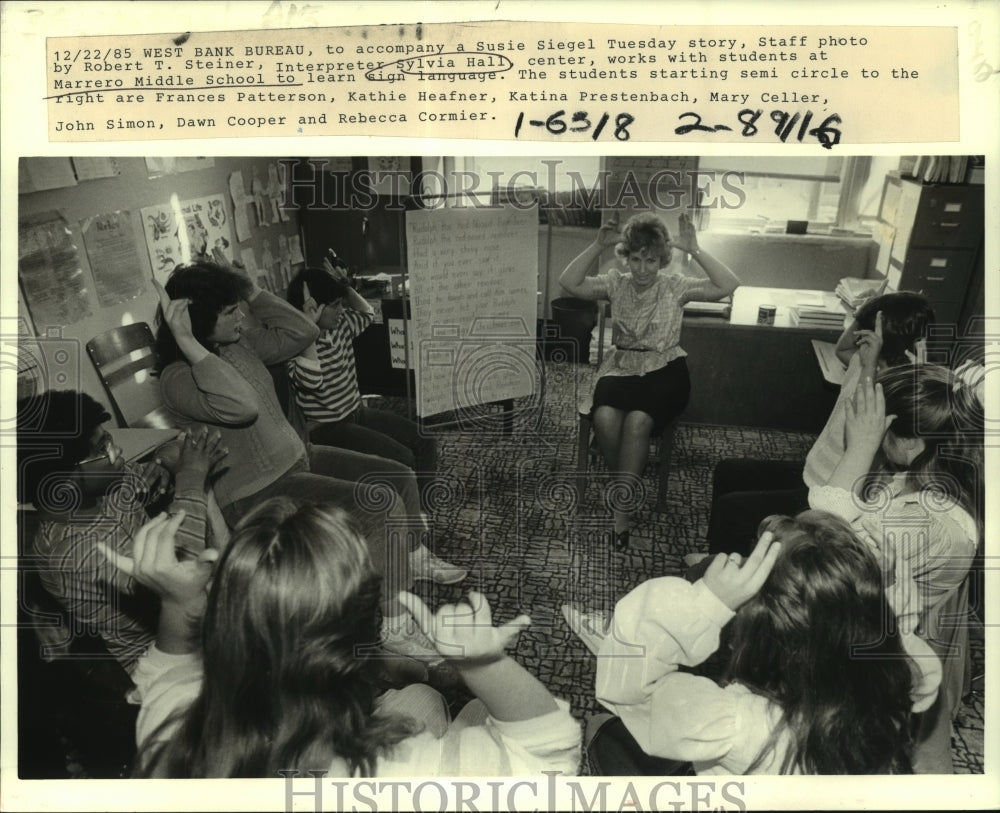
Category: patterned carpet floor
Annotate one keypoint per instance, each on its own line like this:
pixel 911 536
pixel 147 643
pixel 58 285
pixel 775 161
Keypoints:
pixel 506 508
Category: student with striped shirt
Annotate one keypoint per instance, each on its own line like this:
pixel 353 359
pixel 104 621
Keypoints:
pixel 326 379
pixel 85 493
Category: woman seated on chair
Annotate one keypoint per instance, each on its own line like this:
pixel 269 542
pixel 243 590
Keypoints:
pixel 643 383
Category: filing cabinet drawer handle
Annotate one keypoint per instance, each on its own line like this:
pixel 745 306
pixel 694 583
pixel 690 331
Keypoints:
pixel 935 279
pixel 949 225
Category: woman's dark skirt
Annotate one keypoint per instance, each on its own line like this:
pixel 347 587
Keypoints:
pixel 662 394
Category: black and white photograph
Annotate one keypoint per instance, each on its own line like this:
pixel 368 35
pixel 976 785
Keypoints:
pixel 656 361
pixel 426 473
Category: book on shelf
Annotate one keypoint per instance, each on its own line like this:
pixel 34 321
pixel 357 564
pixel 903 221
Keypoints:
pixel 939 168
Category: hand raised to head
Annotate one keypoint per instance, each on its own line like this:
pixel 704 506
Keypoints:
pixel 310 307
pixel 865 421
pixel 335 267
pixel 735 583
pixel 869 343
pixel 687 236
pixel 175 312
pixel 609 234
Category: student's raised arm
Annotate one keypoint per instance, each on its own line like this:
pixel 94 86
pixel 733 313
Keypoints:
pixel 180 583
pixel 280 331
pixel 355 301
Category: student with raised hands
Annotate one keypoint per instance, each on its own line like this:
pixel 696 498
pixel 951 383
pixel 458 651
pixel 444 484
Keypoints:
pixel 86 494
pixel 325 378
pixel 887 331
pixel 910 481
pixel 797 694
pixel 268 671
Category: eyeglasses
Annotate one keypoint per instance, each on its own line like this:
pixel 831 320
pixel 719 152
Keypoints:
pixel 108 451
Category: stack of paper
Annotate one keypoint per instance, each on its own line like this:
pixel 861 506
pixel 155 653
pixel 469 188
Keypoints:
pixel 809 317
pixel 720 309
pixel 854 292
pixel 817 309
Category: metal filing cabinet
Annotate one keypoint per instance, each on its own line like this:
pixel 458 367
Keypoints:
pixel 938 232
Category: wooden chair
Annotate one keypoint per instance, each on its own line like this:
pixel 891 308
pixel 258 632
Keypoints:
pixel 124 358
pixel 664 447
pixel 664 442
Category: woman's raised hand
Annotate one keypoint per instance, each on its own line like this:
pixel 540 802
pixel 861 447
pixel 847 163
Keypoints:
pixel 464 632
pixel 175 313
pixel 866 421
pixel 178 320
pixel 734 582
pixel 609 233
pixel 687 236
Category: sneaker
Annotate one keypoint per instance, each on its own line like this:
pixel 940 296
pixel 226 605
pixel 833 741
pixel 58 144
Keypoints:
pixel 425 565
pixel 409 640
pixel 592 628
pixel 691 559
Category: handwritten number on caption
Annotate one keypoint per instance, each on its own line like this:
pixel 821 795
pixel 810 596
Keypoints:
pixel 579 122
pixel 827 134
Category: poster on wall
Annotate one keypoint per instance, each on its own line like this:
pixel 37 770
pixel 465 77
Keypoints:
pixel 114 257
pixel 207 230
pixel 39 174
pixel 237 191
pixel 158 167
pixel 93 168
pixel 53 280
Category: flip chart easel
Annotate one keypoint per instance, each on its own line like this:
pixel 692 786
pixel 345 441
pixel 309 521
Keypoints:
pixel 473 278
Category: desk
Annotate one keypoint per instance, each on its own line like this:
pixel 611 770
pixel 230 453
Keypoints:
pixel 745 374
pixel 747 300
pixel 137 443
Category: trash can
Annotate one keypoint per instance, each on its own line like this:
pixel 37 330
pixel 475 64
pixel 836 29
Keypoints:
pixel 576 319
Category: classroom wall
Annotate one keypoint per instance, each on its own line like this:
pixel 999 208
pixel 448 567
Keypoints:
pixel 130 191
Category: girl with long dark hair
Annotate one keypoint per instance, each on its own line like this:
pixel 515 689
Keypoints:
pixel 818 676
pixel 910 482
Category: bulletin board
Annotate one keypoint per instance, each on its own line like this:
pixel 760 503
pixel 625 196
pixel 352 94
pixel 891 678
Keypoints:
pixel 473 276
pixel 84 260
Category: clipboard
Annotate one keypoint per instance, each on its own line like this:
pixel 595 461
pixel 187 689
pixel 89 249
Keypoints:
pixel 833 368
